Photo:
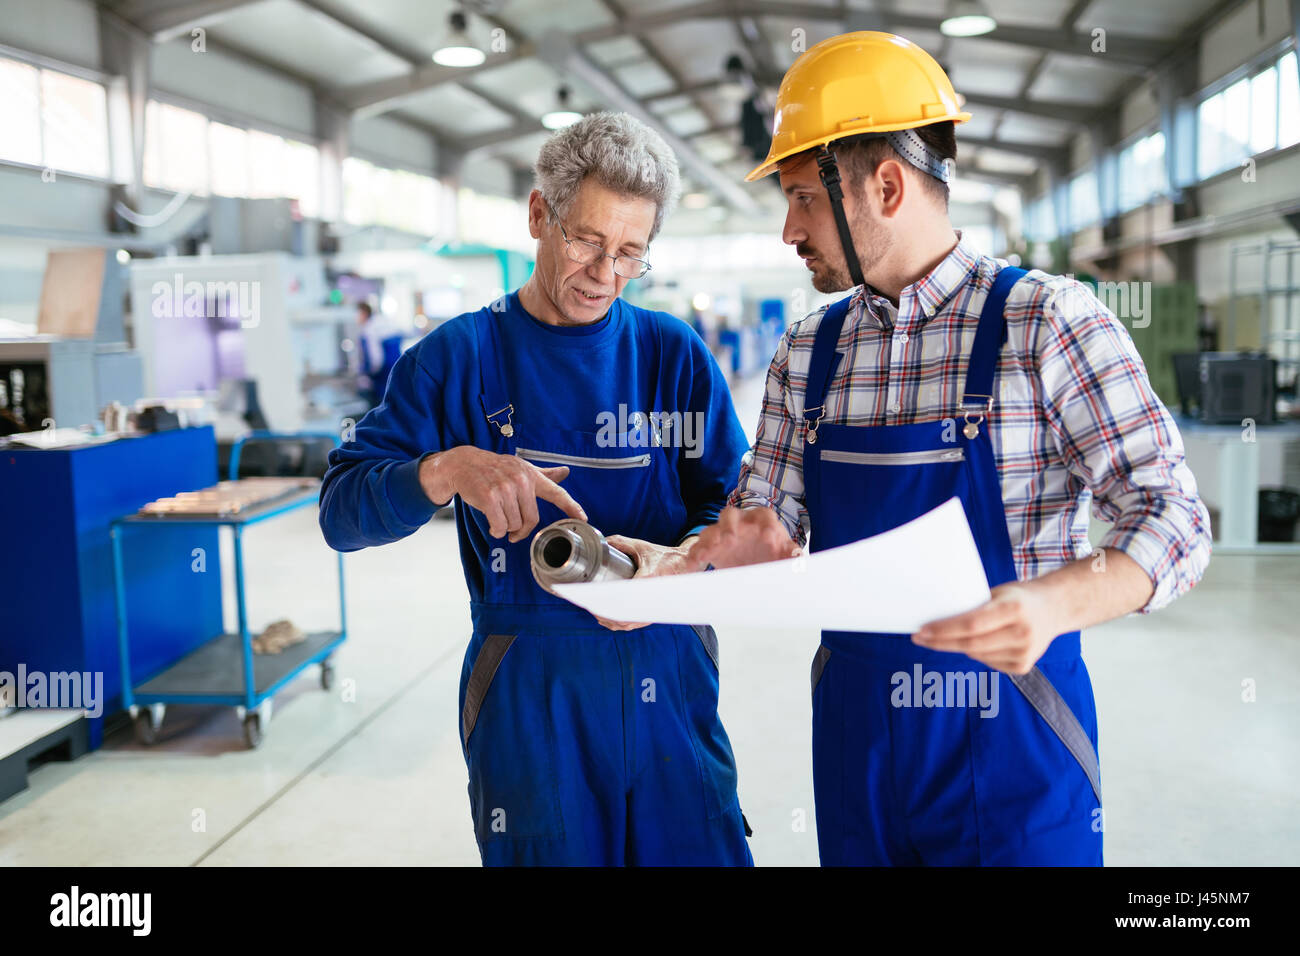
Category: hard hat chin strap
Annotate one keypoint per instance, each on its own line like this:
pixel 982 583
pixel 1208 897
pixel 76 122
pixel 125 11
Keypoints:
pixel 830 176
pixel 907 144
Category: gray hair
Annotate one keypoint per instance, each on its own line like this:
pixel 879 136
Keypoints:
pixel 616 150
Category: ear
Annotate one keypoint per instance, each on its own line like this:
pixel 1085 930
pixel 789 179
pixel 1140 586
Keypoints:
pixel 536 214
pixel 890 185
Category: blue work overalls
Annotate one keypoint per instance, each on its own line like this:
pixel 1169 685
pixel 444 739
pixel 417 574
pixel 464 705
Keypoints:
pixel 587 746
pixel 938 784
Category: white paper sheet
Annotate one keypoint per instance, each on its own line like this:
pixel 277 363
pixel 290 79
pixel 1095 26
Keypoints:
pixel 890 583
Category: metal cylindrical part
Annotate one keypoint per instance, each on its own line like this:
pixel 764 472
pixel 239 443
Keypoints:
pixel 573 552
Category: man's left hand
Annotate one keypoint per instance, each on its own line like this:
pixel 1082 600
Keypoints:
pixel 652 560
pixel 1009 633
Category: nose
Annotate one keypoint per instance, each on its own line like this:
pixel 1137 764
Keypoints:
pixel 792 233
pixel 602 271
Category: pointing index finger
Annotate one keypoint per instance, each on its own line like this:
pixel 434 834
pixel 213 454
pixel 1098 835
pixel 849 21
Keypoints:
pixel 550 491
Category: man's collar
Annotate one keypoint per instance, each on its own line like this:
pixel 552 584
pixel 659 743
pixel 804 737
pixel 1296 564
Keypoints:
pixel 931 291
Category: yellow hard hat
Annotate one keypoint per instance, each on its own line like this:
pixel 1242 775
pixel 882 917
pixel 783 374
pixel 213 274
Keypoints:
pixel 863 82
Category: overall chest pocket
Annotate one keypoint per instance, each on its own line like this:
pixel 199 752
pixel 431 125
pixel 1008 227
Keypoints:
pixel 630 491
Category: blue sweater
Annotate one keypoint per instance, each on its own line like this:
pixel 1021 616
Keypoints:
pixel 560 377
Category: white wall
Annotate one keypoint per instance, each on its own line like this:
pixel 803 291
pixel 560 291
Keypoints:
pixel 228 82
pixel 67 30
pixel 386 141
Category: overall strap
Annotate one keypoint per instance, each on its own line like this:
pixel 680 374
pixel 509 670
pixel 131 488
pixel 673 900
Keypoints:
pixel 990 335
pixel 496 404
pixel 822 365
pixel 650 342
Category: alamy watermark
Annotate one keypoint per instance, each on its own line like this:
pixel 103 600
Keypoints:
pixel 922 688
pixel 83 690
pixel 624 429
pixel 1129 301
pixel 232 299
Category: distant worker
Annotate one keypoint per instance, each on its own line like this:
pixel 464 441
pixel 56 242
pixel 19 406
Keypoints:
pixel 381 344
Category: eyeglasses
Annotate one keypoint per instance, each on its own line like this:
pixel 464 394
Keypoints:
pixel 584 252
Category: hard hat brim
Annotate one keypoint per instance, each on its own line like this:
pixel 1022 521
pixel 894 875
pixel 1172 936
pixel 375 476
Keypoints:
pixel 769 165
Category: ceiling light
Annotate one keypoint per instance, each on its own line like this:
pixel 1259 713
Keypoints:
pixel 696 200
pixel 562 117
pixel 457 50
pixel 968 18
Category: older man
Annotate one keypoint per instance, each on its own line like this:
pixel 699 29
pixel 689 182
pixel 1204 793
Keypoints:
pixel 586 743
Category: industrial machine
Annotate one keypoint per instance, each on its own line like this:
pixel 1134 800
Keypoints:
pixel 1238 386
pixel 78 362
pixel 209 325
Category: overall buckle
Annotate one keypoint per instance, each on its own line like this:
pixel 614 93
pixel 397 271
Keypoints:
pixel 507 430
pixel 973 419
pixel 811 424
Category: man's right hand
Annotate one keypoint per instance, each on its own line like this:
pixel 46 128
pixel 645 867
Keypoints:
pixel 504 487
pixel 741 536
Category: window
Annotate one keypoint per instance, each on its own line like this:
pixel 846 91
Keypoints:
pixel 1263 111
pixel 53 119
pixel 20 113
pixel 300 172
pixel 1085 207
pixel 493 220
pixel 187 152
pixel 1040 219
pixel 228 152
pixel 176 149
pixel 265 174
pixel 1142 171
pixel 1253 115
pixel 74 119
pixel 1288 101
pixel 374 195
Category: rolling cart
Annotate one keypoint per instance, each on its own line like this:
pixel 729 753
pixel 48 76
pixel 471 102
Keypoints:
pixel 223 670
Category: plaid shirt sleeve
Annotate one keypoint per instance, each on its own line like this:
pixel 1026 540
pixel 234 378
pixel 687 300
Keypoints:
pixel 772 473
pixel 1114 434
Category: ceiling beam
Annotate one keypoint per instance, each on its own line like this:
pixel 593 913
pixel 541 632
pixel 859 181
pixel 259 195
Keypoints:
pixel 1122 50
pixel 1024 182
pixel 379 96
pixel 757 46
pixel 497 137
pixel 1047 154
pixel 389 44
pixel 165 22
pixel 715 130
pixel 616 10
pixel 562 54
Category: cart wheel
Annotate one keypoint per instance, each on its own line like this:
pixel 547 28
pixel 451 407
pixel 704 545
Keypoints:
pixel 326 674
pixel 146 731
pixel 252 730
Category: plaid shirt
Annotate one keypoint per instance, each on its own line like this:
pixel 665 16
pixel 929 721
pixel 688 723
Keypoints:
pixel 1074 419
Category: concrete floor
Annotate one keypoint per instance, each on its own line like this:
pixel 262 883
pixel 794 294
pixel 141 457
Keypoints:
pixel 1193 775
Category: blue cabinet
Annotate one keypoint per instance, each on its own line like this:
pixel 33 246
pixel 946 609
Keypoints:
pixel 56 559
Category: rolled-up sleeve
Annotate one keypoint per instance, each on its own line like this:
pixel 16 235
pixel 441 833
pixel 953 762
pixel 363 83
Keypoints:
pixel 1116 436
pixel 772 473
